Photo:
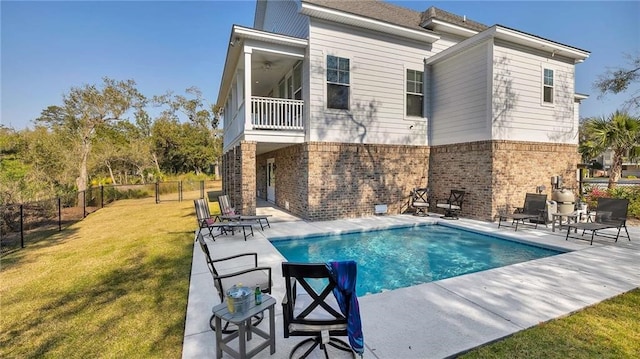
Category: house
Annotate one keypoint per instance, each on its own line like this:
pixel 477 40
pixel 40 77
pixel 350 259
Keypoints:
pixel 333 107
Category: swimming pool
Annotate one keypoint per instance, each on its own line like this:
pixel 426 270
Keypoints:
pixel 402 257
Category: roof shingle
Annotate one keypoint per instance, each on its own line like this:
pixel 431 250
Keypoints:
pixel 397 15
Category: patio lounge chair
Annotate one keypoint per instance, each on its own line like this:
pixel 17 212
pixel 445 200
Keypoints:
pixel 610 213
pixel 245 270
pixel 532 211
pixel 310 309
pixel 420 200
pixel 229 213
pixel 453 205
pixel 205 221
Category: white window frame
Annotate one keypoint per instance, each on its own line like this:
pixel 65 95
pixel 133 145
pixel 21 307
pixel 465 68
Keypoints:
pixel 545 86
pixel 407 92
pixel 327 83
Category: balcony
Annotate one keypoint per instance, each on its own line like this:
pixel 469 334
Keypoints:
pixel 268 113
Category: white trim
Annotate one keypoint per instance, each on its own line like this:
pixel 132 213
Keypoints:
pixel 579 97
pixel 248 33
pixel 440 25
pixel 367 23
pixel 539 43
pixel 489 89
pixel 513 36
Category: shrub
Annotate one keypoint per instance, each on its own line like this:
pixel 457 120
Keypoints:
pixel 593 194
pixel 630 193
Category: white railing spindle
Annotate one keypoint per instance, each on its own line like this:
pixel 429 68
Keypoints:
pixel 277 113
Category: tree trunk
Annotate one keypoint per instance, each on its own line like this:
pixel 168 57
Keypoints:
pixel 616 169
pixel 113 179
pixel 155 161
pixel 83 177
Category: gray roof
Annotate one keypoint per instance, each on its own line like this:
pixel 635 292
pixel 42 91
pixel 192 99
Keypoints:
pixel 435 13
pixel 394 14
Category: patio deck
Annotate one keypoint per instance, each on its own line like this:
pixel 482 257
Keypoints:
pixel 438 319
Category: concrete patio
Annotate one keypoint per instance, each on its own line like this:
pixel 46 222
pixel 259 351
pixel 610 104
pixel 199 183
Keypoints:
pixel 438 319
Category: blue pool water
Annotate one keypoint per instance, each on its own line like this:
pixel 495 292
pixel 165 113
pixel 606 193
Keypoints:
pixel 403 257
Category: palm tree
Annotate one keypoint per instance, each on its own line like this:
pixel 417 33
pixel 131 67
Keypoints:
pixel 619 133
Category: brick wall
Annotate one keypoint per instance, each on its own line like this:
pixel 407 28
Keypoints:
pixel 347 180
pixel 497 174
pixel 290 178
pixel 324 181
pixel 239 177
pixel 519 167
pixel 463 166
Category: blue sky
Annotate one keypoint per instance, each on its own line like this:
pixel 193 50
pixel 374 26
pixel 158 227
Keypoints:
pixel 47 47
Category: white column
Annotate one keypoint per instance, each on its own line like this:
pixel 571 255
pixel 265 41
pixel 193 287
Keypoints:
pixel 247 89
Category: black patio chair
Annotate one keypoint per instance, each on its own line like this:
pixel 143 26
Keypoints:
pixel 420 200
pixel 610 213
pixel 206 221
pixel 453 205
pixel 310 309
pixel 532 212
pixel 244 270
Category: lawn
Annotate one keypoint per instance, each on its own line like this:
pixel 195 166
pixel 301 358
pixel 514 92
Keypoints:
pixel 610 329
pixel 112 285
pixel 116 285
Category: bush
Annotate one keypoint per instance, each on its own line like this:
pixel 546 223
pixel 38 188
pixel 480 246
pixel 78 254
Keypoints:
pixel 630 193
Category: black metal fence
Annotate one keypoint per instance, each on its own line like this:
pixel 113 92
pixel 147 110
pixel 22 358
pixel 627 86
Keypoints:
pixel 21 223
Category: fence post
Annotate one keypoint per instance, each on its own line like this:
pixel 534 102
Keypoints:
pixel 202 189
pixel 101 196
pixel 180 191
pixel 21 226
pixel 59 214
pixel 157 192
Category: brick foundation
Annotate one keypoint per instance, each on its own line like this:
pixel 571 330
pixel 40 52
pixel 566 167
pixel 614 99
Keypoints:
pixel 497 174
pixel 324 181
pixel 239 177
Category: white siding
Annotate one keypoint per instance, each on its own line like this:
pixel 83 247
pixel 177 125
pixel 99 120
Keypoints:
pixel 459 90
pixel 282 17
pixel 518 112
pixel 377 85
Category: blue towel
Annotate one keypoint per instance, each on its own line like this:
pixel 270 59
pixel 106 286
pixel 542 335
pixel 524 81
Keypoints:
pixel 344 274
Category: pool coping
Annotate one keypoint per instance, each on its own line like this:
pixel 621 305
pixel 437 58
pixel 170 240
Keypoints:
pixel 455 314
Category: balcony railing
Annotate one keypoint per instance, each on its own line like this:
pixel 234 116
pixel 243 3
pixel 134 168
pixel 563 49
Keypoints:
pixel 276 113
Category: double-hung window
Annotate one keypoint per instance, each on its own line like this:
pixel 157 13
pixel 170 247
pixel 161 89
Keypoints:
pixel 337 82
pixel 415 93
pixel 547 86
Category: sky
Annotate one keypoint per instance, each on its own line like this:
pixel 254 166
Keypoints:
pixel 48 47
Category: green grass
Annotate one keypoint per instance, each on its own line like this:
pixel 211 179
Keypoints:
pixel 115 285
pixel 610 329
pixel 112 285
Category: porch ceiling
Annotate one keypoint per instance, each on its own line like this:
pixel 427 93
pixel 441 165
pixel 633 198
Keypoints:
pixel 267 69
pixel 264 147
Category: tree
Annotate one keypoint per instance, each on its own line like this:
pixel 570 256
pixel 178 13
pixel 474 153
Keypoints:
pixel 192 144
pixel 619 79
pixel 87 108
pixel 619 133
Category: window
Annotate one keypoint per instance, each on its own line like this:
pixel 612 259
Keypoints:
pixel 547 86
pixel 337 82
pixel 415 94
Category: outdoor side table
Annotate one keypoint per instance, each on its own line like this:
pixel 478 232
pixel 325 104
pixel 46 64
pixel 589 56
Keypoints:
pixel 559 216
pixel 245 329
